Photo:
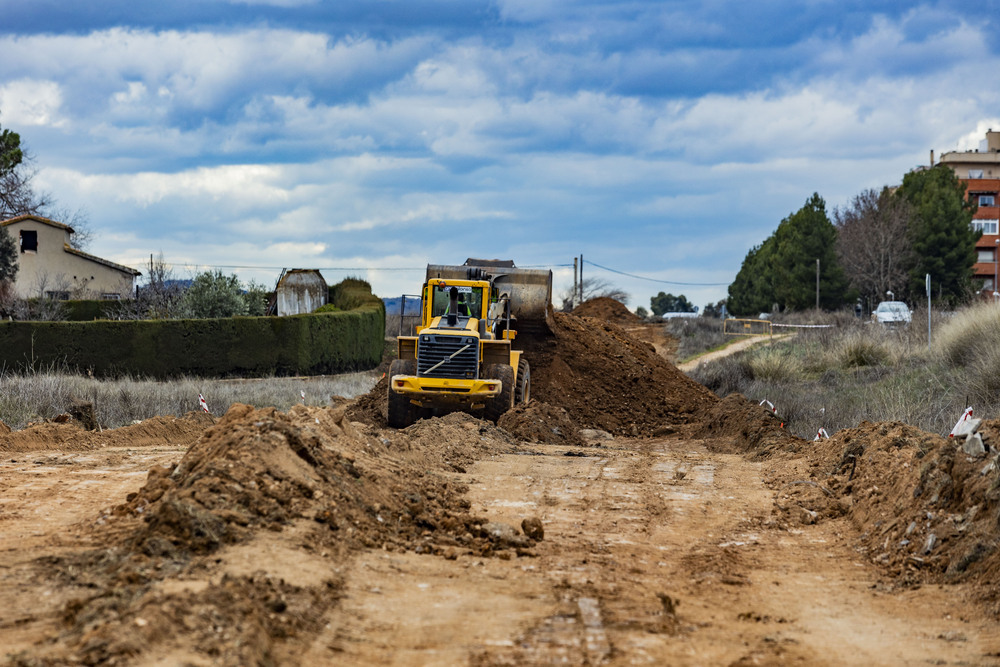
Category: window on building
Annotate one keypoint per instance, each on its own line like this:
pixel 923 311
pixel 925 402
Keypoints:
pixel 57 295
pixel 987 227
pixel 988 284
pixel 29 241
pixel 112 296
pixel 986 255
pixel 987 200
pixel 975 173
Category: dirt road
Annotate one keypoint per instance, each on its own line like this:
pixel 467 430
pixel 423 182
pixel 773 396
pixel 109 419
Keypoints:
pixel 732 348
pixel 655 552
pixel 657 524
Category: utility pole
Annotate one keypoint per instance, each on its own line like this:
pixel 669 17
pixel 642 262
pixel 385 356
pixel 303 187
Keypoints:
pixel 581 277
pixel 927 286
pixel 817 283
pixel 576 262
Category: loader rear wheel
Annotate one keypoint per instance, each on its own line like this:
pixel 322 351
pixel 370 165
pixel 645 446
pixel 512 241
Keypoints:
pixel 504 401
pixel 522 389
pixel 400 413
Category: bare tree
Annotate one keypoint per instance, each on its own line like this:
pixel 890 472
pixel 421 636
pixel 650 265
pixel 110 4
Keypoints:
pixel 17 197
pixel 79 220
pixel 872 243
pixel 592 289
pixel 159 299
pixel 46 304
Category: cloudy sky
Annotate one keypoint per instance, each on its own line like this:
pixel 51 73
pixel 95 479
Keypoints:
pixel 657 139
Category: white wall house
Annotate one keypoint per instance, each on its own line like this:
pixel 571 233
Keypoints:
pixel 49 266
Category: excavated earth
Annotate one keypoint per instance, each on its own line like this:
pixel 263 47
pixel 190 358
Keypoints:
pixel 625 515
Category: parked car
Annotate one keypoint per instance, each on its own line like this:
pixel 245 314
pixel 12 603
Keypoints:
pixel 892 313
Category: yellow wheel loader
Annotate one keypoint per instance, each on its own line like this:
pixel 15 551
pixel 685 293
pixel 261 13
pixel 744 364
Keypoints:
pixel 461 358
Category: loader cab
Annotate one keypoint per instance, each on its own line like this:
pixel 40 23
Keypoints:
pixel 470 298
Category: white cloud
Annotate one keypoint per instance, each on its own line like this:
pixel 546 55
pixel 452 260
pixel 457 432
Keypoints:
pixel 31 102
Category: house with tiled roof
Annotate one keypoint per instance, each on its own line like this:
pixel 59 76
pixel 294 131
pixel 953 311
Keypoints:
pixel 48 265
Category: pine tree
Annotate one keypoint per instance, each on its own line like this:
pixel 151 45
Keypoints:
pixel 940 233
pixel 782 270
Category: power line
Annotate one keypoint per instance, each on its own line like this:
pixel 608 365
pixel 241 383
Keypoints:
pixel 654 280
pixel 337 268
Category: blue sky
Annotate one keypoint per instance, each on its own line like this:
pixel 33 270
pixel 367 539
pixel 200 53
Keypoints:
pixel 660 139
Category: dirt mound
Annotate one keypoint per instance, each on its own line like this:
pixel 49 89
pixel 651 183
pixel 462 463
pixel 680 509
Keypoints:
pixel 926 511
pixel 371 408
pixel 310 472
pixel 610 310
pixel 605 378
pixel 70 435
pixel 540 422
pixel 602 376
pixel 738 425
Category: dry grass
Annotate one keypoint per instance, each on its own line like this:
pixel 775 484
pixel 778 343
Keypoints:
pixel 43 395
pixel 696 335
pixel 855 371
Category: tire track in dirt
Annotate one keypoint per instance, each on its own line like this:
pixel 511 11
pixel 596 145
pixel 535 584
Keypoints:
pixel 656 552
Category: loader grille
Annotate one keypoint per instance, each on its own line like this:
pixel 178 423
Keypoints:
pixel 437 358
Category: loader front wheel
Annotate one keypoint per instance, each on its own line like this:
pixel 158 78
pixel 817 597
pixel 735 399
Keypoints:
pixel 522 389
pixel 503 402
pixel 400 413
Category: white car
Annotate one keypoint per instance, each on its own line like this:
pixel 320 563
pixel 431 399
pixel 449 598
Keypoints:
pixel 892 312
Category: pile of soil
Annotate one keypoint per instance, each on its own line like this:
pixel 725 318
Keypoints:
pixel 607 309
pixel 601 375
pixel 71 435
pixel 739 426
pixel 371 408
pixel 607 379
pixel 926 511
pixel 542 423
pixel 336 485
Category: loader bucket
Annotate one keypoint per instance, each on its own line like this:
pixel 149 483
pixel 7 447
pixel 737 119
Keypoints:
pixel 530 290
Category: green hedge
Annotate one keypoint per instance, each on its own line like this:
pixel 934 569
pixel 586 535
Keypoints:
pixel 239 346
pixel 88 310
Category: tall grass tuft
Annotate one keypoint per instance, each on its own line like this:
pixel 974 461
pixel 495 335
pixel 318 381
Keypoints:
pixel 775 363
pixel 969 343
pixel 969 334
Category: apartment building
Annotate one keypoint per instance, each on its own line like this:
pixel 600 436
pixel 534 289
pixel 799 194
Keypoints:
pixel 980 171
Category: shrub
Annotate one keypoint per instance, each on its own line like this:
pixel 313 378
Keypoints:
pixel 213 294
pixel 775 363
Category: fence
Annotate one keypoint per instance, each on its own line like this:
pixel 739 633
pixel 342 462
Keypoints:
pixel 738 327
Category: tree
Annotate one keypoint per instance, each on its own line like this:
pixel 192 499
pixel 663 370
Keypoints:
pixel 256 298
pixel 18 197
pixel 10 157
pixel 873 244
pixel 801 239
pixel 11 154
pixel 641 312
pixel 752 291
pixel 593 288
pixel 714 309
pixel 668 303
pixel 782 271
pixel 213 294
pixel 159 299
pixel 8 257
pixel 940 232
